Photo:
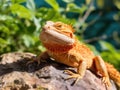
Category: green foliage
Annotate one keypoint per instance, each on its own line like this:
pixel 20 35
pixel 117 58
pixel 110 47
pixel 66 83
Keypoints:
pixel 54 4
pixel 18 1
pixel 16 27
pixel 21 22
pixel 110 54
pixel 20 25
pixel 20 11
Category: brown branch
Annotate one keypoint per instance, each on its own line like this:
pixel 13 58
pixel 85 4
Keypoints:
pixel 87 13
pixel 96 39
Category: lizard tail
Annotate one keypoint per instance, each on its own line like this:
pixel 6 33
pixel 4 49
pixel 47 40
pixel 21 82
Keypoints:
pixel 113 73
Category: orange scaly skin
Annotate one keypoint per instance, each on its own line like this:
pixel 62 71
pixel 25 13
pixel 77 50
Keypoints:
pixel 75 54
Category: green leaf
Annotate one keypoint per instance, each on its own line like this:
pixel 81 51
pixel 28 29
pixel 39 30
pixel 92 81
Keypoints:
pixel 37 23
pixel 87 2
pixel 100 3
pixel 53 3
pixel 5 17
pixel 18 1
pixel 21 11
pixel 4 29
pixel 28 40
pixel 41 48
pixel 68 1
pixel 31 5
pixel 2 41
pixel 71 7
pixel 117 3
pixel 107 46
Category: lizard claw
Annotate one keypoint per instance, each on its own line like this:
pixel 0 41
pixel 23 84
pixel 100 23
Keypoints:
pixel 40 58
pixel 34 59
pixel 73 75
pixel 69 72
pixel 106 81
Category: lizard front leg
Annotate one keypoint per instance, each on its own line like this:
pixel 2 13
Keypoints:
pixel 40 58
pixel 102 70
pixel 80 71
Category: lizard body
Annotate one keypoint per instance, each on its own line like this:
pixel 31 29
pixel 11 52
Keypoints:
pixel 70 51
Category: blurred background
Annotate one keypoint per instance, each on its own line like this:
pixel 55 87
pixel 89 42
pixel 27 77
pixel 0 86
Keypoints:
pixel 96 22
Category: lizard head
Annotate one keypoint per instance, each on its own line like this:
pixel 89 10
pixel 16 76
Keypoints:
pixel 58 35
pixel 63 29
pixel 57 32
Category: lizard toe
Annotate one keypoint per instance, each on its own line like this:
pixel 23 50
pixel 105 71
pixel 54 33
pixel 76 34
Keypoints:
pixel 106 81
pixel 73 75
pixel 34 59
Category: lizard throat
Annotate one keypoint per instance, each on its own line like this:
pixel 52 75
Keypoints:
pixel 56 48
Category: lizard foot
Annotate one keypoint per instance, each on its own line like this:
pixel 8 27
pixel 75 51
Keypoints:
pixel 73 75
pixel 40 58
pixel 106 81
pixel 34 59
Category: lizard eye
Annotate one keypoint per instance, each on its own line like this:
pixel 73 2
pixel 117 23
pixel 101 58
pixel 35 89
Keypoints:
pixel 71 35
pixel 59 26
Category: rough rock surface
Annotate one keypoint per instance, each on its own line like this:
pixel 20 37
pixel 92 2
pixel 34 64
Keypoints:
pixel 49 75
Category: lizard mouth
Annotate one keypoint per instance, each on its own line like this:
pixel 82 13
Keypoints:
pixel 56 42
pixel 58 37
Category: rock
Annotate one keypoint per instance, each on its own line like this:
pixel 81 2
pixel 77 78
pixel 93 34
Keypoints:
pixel 49 75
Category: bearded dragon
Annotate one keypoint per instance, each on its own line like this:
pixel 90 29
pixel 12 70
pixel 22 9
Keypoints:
pixel 62 45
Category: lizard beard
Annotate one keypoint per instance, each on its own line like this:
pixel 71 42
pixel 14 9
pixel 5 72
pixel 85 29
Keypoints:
pixel 56 48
